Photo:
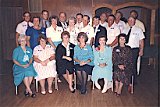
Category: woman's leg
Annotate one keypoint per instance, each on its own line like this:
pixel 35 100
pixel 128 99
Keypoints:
pixel 105 88
pixel 69 78
pixel 50 82
pixel 84 82
pixel 79 77
pixel 120 88
pixel 97 84
pixel 42 83
pixel 116 86
pixel 27 84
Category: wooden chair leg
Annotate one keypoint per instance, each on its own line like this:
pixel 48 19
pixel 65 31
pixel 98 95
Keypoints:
pixel 16 90
pixel 56 82
pixel 75 82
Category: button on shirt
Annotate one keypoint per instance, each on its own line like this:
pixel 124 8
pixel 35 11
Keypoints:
pixel 135 36
pixel 22 27
pixel 112 33
pixel 55 35
pixel 89 31
pixel 83 54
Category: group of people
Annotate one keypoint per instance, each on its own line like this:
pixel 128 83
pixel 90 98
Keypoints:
pixel 107 50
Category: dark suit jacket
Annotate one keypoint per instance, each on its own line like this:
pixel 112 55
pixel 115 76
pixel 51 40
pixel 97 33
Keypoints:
pixel 59 24
pixel 100 31
pixel 62 64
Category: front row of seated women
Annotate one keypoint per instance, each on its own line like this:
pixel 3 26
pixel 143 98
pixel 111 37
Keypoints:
pixel 68 58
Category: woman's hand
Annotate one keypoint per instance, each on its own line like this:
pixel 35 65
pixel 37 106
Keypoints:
pixel 102 65
pixel 83 63
pixel 25 66
pixel 121 67
pixel 43 63
pixel 67 58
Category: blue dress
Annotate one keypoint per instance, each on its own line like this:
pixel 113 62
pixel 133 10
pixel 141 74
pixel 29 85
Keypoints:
pixel 102 57
pixel 23 58
pixel 83 55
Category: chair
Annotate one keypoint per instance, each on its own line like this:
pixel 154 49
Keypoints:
pixel 55 82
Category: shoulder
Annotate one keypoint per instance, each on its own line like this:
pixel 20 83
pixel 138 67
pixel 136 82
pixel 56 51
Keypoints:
pixel 17 49
pixel 72 45
pixel 128 47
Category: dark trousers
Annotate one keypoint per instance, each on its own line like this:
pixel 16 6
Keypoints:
pixel 135 54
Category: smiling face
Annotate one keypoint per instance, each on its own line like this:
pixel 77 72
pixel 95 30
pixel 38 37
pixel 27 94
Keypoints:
pixel 95 21
pixel 42 42
pixel 71 22
pixel 110 20
pixel 45 15
pixel 65 38
pixel 85 21
pixel 36 21
pixel 26 17
pixel 103 17
pixel 79 18
pixel 131 21
pixel 122 40
pixel 102 41
pixel 62 17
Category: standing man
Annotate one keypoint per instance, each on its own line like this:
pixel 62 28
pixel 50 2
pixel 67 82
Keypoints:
pixel 135 39
pixel 62 20
pixel 121 24
pixel 44 19
pixel 22 27
pixel 88 29
pixel 98 30
pixel 103 19
pixel 79 23
pixel 112 32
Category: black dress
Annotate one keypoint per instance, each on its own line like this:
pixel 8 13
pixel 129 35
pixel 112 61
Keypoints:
pixel 62 64
pixel 122 55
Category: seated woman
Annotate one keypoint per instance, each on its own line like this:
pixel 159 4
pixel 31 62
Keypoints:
pixel 122 64
pixel 103 64
pixel 64 59
pixel 44 64
pixel 83 57
pixel 23 68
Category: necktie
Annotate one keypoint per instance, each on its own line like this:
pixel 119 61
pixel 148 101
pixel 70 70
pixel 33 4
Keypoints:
pixel 28 24
pixel 94 29
pixel 128 35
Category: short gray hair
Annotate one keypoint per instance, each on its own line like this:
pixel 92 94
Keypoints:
pixel 72 18
pixel 21 37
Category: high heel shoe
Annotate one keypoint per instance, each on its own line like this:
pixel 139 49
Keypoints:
pixel 50 91
pixel 43 92
pixel 72 91
pixel 33 95
pixel 26 94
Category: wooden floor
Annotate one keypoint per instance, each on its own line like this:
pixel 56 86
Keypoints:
pixel 145 94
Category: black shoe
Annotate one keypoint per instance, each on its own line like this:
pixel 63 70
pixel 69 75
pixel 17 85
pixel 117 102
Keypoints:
pixel 73 91
pixel 33 95
pixel 26 94
pixel 83 91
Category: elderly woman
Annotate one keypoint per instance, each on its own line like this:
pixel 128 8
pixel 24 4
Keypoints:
pixel 53 32
pixel 72 30
pixel 23 68
pixel 83 57
pixel 122 64
pixel 64 59
pixel 103 64
pixel 44 64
